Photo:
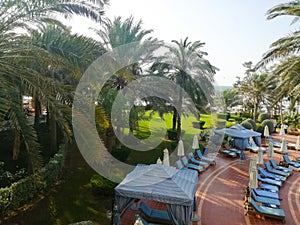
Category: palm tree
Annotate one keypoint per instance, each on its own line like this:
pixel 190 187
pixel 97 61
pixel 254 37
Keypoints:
pixel 17 79
pixel 115 34
pixel 254 87
pixel 190 70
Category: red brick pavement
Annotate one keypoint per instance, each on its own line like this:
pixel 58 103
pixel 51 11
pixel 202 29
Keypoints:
pixel 220 193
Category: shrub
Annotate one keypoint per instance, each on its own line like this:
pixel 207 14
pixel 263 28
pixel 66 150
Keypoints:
pixel 121 154
pixel 263 116
pixel 199 124
pixel 253 124
pixel 172 134
pixel 101 185
pixel 205 135
pixel 270 125
pixel 220 124
pixel 247 125
pixel 221 116
pixel 260 128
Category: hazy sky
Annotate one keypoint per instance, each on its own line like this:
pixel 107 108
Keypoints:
pixel 235 31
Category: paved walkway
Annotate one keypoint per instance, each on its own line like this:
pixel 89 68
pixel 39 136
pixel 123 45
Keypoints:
pixel 220 193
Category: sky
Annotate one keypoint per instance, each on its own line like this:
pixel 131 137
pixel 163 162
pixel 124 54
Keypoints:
pixel 234 31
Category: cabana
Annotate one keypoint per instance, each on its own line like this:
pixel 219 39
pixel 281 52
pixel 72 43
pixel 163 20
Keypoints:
pixel 240 135
pixel 159 183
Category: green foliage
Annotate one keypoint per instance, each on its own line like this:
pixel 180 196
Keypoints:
pixel 220 124
pixel 230 124
pixel 172 134
pixel 101 185
pixel 121 154
pixel 245 114
pixel 205 134
pixel 253 124
pixel 25 189
pixel 260 128
pixel 263 116
pixel 270 125
pixel 222 116
pixel 199 125
pixel 247 125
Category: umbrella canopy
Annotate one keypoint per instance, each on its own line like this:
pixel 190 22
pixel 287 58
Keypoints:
pixel 166 160
pixel 158 161
pixel 252 163
pixel 297 147
pixel 195 142
pixel 271 150
pixel 180 148
pixel 283 148
pixel 260 159
pixel 253 178
pixel 266 131
pixel 282 130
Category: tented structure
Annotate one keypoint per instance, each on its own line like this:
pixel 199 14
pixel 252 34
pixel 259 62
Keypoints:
pixel 160 183
pixel 240 135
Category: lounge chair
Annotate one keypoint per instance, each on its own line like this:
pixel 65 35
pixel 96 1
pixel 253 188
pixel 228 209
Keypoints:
pixel 197 162
pixel 265 211
pixel 269 181
pixel 190 165
pixel 275 171
pixel 238 152
pixel 253 147
pixel 270 202
pixel 153 215
pixel 275 143
pixel 270 175
pixel 206 159
pixel 266 194
pixel 229 153
pixel 281 168
pixel 294 165
pixel 268 187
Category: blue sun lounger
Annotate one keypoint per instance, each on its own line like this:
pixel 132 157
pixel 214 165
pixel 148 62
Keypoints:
pixel 275 171
pixel 265 211
pixel 203 158
pixel 190 165
pixel 268 187
pixel 270 175
pixel 269 181
pixel 266 194
pixel 198 162
pixel 270 202
pixel 275 143
pixel 281 168
pixel 294 165
pixel 153 215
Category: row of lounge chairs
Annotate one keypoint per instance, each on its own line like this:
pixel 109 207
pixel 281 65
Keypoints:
pixel 265 201
pixel 196 162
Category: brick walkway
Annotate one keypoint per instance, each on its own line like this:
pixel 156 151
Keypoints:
pixel 220 193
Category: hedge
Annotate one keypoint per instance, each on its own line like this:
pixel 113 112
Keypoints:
pixel 25 189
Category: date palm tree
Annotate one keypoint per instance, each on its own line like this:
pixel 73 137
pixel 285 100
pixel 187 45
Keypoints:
pixel 189 69
pixel 17 78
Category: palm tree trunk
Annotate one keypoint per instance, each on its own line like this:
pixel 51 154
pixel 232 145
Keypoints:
pixel 174 119
pixel 16 148
pixel 37 105
pixel 53 132
pixel 280 111
pixel 255 111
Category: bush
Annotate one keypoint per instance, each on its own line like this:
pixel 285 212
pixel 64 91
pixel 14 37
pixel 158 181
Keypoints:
pixel 25 189
pixel 172 134
pixel 263 116
pixel 253 124
pixel 121 154
pixel 260 128
pixel 247 125
pixel 101 185
pixel 270 125
pixel 199 124
pixel 220 124
pixel 222 116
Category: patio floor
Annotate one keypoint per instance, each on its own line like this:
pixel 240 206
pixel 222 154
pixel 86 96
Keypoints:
pixel 220 193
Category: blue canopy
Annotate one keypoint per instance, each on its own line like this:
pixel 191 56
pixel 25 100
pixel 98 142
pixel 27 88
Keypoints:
pixel 240 135
pixel 160 183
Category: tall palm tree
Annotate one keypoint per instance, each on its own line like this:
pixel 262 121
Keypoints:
pixel 114 34
pixel 190 70
pixel 17 79
pixel 254 87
